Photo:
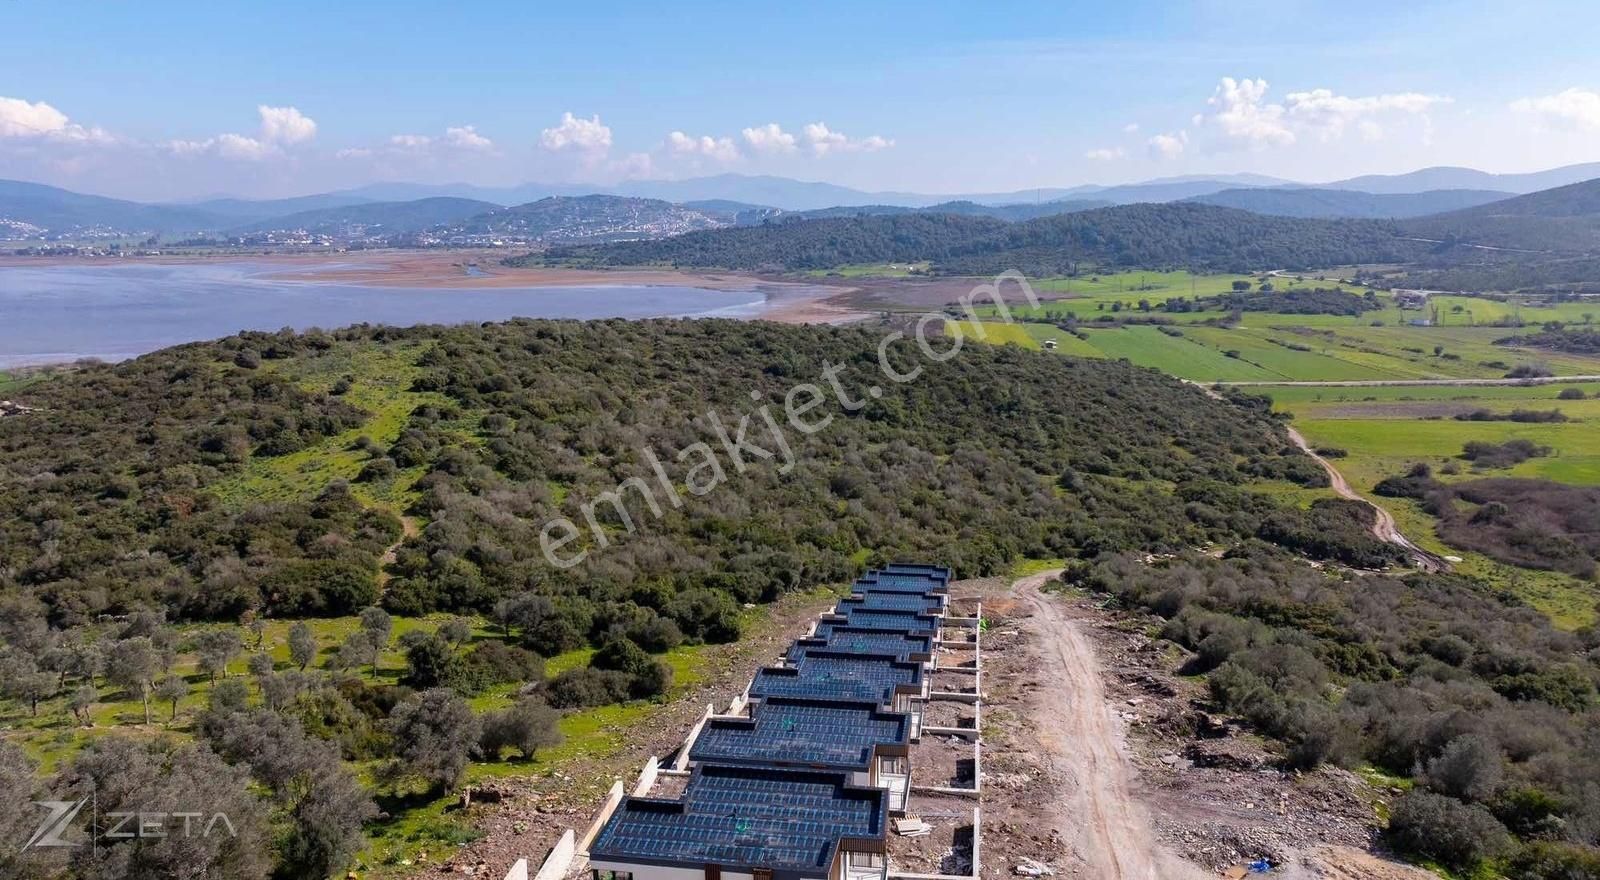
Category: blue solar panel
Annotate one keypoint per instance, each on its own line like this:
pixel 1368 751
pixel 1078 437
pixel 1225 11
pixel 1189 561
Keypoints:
pixel 832 675
pixel 745 817
pixel 866 641
pixel 785 731
pixel 897 602
pixel 884 619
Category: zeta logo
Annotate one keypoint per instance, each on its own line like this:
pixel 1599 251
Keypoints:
pixel 54 825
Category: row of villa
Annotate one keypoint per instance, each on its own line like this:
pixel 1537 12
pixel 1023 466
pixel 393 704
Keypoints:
pixel 803 774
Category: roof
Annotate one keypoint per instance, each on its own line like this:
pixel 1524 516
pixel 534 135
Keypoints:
pixel 837 736
pixel 900 583
pixel 788 820
pixel 896 602
pixel 865 641
pixel 838 675
pixel 885 619
pixel 942 572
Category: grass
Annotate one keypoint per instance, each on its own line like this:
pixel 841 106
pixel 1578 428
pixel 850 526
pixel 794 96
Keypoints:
pixel 383 374
pixel 1384 431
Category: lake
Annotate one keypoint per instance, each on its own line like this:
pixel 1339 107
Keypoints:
pixel 56 313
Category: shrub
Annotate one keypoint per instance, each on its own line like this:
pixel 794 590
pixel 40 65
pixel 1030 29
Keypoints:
pixel 1458 836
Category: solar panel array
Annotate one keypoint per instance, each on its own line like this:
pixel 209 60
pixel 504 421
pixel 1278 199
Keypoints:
pixel 786 732
pixel 831 675
pixel 743 807
pixel 745 817
pixel 866 641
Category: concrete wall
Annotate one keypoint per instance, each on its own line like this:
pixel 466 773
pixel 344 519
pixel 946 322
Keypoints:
pixel 647 777
pixel 610 806
pixel 556 863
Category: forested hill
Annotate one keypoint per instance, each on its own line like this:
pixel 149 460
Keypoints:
pixel 1562 220
pixel 1176 234
pixel 210 479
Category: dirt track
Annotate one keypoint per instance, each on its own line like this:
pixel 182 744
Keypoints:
pixel 1383 525
pixel 1082 741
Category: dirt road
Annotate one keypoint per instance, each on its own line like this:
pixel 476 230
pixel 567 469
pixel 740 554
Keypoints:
pixel 1383 526
pixel 1082 741
pixel 1364 383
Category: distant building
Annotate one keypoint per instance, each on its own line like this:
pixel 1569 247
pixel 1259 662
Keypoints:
pixel 1411 299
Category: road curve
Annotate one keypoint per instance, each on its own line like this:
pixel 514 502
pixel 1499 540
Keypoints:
pixel 1384 527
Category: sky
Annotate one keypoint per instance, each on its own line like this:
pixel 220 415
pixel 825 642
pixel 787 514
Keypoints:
pixel 181 100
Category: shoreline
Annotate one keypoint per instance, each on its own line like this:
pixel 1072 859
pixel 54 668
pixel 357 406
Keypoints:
pixel 783 300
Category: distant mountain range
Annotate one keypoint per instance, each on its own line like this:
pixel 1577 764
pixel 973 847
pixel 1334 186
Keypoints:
pixel 654 208
pixel 1330 203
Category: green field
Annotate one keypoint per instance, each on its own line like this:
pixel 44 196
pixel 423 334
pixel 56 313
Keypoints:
pixel 1387 429
pixel 1267 347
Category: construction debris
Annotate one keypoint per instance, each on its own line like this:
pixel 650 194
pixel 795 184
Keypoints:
pixel 911 826
pixel 1033 868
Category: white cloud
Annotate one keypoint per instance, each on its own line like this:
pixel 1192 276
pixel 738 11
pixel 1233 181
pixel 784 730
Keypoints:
pixel 574 133
pixel 1241 112
pixel 1329 114
pixel 769 138
pixel 634 166
pixel 823 141
pixel 410 141
pixel 1168 146
pixel 466 137
pixel 353 153
pixel 718 149
pixel 461 137
pixel 1131 128
pixel 285 125
pixel 280 127
pixel 237 146
pixel 1574 109
pixel 1105 154
pixel 21 119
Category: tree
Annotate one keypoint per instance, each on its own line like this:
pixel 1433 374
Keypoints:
pixel 18 816
pixel 456 631
pixel 260 664
pixel 79 702
pixel 216 648
pixel 133 663
pixel 432 662
pixel 172 688
pixel 378 626
pixel 356 652
pixel 150 777
pixel 434 732
pixel 527 726
pixel 309 782
pixel 302 645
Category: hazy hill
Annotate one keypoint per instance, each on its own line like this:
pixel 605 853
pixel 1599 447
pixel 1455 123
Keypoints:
pixel 1426 179
pixel 377 217
pixel 1307 202
pixel 1021 211
pixel 253 210
pixel 64 211
pixel 588 218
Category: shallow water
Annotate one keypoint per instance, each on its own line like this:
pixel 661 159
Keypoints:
pixel 50 314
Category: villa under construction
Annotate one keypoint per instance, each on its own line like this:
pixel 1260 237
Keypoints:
pixel 814 772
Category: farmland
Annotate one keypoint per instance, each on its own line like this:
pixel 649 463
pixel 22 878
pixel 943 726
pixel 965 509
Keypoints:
pixel 1383 430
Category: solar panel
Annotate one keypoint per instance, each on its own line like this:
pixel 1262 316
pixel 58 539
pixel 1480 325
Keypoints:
pixel 740 816
pixel 832 675
pixel 811 732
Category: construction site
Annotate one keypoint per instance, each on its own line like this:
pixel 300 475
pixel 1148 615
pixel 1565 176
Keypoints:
pixel 856 755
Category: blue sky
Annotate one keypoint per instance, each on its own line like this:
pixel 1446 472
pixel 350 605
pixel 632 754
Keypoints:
pixel 177 100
